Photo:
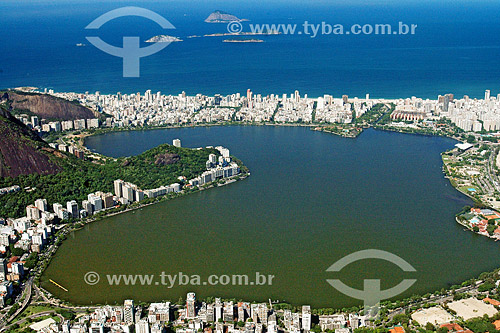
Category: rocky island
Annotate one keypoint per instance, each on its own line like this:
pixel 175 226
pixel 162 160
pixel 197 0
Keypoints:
pixel 244 33
pixel 222 17
pixel 242 41
pixel 163 39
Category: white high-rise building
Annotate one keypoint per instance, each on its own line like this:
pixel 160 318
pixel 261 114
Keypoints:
pixel 306 317
pixel 72 207
pixel 87 206
pixel 96 202
pixel 57 208
pixel 128 192
pixel 41 204
pixel 34 121
pixel 139 195
pixel 32 212
pixel 218 309
pixel 118 184
pixel 190 305
pixel 128 311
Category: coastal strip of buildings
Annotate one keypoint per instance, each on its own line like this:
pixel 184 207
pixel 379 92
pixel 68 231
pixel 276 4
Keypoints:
pixel 156 109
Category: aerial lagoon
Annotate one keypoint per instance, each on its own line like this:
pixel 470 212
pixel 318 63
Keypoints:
pixel 312 198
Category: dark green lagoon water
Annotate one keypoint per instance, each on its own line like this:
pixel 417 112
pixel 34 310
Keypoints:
pixel 312 198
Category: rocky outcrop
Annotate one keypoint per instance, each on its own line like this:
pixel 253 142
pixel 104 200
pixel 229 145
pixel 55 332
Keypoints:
pixel 46 106
pixel 167 159
pixel 22 152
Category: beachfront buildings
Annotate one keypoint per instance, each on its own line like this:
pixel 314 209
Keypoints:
pixel 155 109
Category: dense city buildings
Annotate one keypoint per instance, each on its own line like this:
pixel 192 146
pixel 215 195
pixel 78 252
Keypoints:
pixel 218 316
pixel 156 109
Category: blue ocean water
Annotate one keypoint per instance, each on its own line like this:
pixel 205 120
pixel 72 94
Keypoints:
pixel 456 49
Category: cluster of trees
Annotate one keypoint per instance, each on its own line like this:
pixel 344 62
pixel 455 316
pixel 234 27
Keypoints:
pixel 374 114
pixel 481 325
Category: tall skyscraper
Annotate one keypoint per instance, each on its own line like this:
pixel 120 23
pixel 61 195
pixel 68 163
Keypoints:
pixel 118 188
pixel 32 212
pixel 128 192
pixel 448 98
pixel 487 95
pixel 249 99
pixel 41 204
pixel 306 317
pixel 190 305
pixel 218 309
pixel 96 202
pixel 88 207
pixel 128 311
pixel 72 207
pixel 107 199
pixel 57 209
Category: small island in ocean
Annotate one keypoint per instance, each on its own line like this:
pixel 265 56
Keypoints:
pixel 222 17
pixel 243 33
pixel 163 39
pixel 243 40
